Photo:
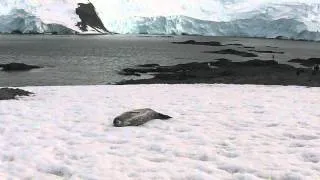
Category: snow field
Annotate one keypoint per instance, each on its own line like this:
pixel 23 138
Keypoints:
pixel 242 132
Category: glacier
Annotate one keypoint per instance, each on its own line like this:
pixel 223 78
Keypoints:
pixel 254 27
pixel 292 19
pixel 20 21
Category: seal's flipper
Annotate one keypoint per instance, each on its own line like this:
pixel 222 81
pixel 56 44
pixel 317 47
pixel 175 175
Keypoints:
pixel 163 116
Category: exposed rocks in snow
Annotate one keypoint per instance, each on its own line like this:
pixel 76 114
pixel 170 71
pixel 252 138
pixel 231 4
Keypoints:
pixel 138 117
pixel 10 93
pixel 17 67
pixel 89 17
pixel 234 52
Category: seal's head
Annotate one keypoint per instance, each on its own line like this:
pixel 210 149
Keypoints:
pixel 117 122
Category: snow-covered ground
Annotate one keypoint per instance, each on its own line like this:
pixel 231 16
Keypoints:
pixel 242 132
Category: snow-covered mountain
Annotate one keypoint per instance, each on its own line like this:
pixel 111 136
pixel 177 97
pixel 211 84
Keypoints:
pixel 48 16
pixel 299 19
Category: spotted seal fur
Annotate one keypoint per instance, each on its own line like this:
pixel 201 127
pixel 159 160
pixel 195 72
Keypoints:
pixel 137 117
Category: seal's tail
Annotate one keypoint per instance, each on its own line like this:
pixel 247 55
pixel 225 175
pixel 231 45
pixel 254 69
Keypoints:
pixel 163 116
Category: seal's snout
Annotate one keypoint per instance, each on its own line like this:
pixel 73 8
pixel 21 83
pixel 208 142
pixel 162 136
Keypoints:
pixel 117 122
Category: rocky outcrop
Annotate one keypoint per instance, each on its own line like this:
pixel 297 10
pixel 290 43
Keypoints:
pixel 193 42
pixel 233 52
pixel 17 67
pixel 10 93
pixel 89 17
pixel 267 51
pixel 306 62
pixel 266 72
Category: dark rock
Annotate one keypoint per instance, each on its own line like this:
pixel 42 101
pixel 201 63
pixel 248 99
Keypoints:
pixel 315 69
pixel 89 17
pixel 10 93
pixel 149 65
pixel 138 117
pixel 299 71
pixel 273 52
pixel 282 38
pixel 248 72
pixel 32 33
pixel 306 62
pixel 233 52
pixel 257 62
pixel 16 32
pixel 187 34
pixel 226 73
pixel 193 42
pixel 234 44
pixel 222 62
pixel 131 71
pixel 17 67
pixel 55 29
pixel 128 72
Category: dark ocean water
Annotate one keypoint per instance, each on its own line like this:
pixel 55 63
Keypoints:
pixel 88 60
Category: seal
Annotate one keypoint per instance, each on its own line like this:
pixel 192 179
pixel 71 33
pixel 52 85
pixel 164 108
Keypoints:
pixel 138 117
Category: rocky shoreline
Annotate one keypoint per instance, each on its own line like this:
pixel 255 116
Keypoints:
pixel 224 71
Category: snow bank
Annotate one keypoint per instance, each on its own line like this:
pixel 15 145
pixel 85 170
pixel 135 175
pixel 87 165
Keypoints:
pixel 217 132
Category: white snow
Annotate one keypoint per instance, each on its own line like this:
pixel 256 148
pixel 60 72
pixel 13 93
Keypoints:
pixel 242 132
